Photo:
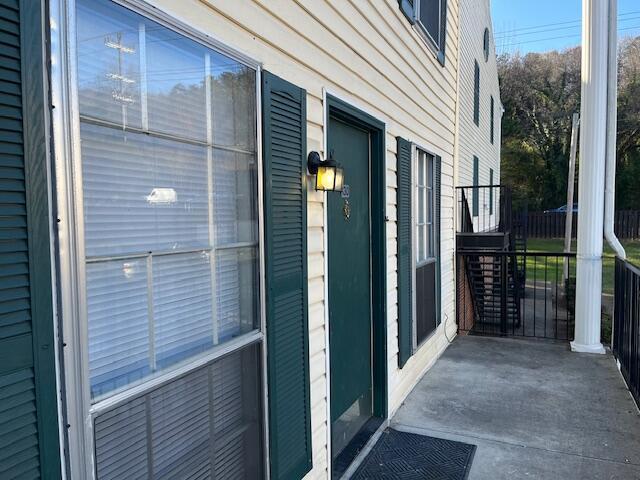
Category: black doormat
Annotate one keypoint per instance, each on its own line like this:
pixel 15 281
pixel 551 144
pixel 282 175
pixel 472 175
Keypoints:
pixel 404 456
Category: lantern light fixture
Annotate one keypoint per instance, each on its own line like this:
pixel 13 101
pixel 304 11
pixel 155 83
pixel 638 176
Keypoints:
pixel 329 174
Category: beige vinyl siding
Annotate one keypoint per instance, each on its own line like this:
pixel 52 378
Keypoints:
pixel 367 54
pixel 475 16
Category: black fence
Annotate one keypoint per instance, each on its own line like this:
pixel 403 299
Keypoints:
pixel 626 324
pixel 552 224
pixel 484 208
pixel 516 294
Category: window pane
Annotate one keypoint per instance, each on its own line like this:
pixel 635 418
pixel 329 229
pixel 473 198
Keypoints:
pixel 179 425
pixel 234 108
pixel 165 201
pixel 236 292
pixel 421 166
pixel 235 197
pixel 142 193
pixel 422 217
pixel 109 63
pixel 430 18
pixel 421 243
pixel 182 308
pixel 175 84
pixel 206 424
pixel 118 327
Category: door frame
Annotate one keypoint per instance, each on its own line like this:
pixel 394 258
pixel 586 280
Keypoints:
pixel 335 107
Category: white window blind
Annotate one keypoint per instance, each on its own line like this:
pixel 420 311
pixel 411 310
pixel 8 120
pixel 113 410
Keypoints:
pixel 169 188
pixel 203 425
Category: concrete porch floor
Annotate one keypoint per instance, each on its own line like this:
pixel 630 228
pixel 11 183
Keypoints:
pixel 534 409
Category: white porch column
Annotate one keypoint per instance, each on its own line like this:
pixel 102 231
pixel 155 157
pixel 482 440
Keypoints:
pixel 593 122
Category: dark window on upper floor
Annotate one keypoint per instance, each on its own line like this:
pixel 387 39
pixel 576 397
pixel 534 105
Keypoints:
pixel 476 93
pixel 485 44
pixel 430 18
pixel 492 107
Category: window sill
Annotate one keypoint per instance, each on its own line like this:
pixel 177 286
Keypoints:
pixel 427 261
pixel 113 399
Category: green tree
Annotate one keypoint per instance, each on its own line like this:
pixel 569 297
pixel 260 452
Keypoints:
pixel 540 92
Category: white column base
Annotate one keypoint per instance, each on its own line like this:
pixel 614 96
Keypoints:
pixel 582 348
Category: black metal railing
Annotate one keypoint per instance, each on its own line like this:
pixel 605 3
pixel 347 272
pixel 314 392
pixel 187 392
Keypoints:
pixel 484 209
pixel 626 324
pixel 520 231
pixel 509 293
pixel 626 224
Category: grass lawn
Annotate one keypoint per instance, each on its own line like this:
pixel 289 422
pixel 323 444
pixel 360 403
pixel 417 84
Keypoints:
pixel 557 245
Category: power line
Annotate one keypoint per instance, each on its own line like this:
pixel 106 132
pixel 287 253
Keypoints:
pixel 559 37
pixel 556 29
pixel 534 27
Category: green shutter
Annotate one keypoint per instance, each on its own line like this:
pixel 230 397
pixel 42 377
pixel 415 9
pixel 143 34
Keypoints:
pixel 405 247
pixel 285 213
pixel 28 409
pixel 438 252
pixel 407 7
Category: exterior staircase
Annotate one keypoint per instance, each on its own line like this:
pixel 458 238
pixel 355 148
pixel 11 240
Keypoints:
pixel 495 279
pixel 489 284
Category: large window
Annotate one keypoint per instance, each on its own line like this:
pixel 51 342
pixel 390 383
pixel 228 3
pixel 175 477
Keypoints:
pixel 425 207
pixel 169 193
pixel 169 229
pixel 425 270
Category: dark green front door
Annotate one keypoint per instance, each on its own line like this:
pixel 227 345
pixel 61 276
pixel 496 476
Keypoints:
pixel 349 285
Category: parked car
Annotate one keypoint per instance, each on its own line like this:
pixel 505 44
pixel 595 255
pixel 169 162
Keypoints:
pixel 563 209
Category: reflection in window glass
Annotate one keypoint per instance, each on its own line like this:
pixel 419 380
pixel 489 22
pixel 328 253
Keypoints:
pixel 175 83
pixel 234 175
pixel 169 178
pixel 142 193
pixel 233 105
pixel 109 84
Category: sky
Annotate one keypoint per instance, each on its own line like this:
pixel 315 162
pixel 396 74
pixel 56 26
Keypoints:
pixel 543 25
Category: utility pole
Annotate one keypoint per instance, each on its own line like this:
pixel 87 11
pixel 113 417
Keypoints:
pixel 570 183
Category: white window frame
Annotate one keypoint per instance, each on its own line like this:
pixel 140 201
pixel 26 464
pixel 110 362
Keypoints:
pixel 429 221
pixel 80 413
pixel 415 262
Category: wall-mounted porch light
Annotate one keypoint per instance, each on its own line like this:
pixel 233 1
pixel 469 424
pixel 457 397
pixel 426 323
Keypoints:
pixel 329 174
